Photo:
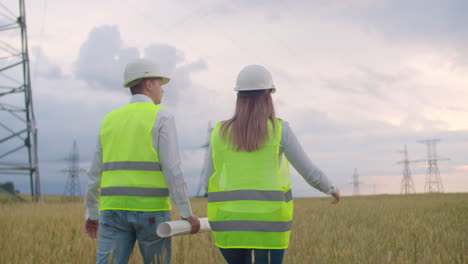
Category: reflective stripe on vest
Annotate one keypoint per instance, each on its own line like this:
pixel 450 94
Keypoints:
pixel 254 195
pixel 249 196
pixel 135 191
pixel 246 225
pixel 131 165
pixel 132 177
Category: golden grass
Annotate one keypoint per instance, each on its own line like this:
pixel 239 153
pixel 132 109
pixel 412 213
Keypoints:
pixel 369 229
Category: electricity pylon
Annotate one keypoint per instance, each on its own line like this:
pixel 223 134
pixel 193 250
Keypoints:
pixel 73 171
pixel 18 133
pixel 356 183
pixel 433 179
pixel 407 184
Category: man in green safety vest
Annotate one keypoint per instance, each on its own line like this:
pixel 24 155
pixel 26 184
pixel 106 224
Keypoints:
pixel 136 168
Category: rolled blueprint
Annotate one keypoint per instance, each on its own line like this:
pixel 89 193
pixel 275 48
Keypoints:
pixel 181 227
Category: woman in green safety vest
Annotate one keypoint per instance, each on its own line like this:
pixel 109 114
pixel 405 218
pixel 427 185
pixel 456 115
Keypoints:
pixel 250 205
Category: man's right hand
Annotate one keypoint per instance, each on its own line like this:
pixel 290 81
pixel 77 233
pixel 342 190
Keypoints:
pixel 91 227
pixel 195 222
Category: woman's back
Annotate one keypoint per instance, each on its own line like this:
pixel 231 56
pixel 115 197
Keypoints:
pixel 250 203
pixel 247 189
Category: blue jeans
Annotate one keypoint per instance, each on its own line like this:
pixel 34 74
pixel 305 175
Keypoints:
pixel 118 231
pixel 244 256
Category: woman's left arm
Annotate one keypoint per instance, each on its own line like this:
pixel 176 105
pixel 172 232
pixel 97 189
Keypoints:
pixel 300 161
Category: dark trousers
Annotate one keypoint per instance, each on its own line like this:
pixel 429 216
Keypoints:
pixel 244 256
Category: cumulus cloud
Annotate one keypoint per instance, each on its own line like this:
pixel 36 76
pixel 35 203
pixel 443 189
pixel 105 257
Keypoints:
pixel 103 56
pixel 107 54
pixel 70 107
pixel 99 63
pixel 48 69
pixel 174 64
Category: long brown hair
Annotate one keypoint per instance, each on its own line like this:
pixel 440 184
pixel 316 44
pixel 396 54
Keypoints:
pixel 249 125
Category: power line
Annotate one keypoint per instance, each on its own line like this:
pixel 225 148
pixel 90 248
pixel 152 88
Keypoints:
pixel 9 19
pixel 6 9
pixel 6 46
pixel 9 57
pixel 11 78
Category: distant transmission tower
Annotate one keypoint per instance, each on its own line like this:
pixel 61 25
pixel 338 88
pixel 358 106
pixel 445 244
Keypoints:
pixel 356 183
pixel 73 185
pixel 433 179
pixel 407 184
pixel 18 136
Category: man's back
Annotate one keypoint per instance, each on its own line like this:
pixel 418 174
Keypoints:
pixel 132 177
pixel 136 166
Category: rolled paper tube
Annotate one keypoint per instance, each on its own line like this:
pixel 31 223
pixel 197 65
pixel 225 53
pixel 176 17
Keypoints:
pixel 181 227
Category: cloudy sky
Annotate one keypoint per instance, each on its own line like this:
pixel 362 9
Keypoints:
pixel 356 79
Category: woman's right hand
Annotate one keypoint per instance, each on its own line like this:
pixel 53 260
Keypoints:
pixel 336 196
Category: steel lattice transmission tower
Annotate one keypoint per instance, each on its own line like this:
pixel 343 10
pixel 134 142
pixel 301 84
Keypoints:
pixel 433 179
pixel 73 185
pixel 407 184
pixel 356 183
pixel 18 133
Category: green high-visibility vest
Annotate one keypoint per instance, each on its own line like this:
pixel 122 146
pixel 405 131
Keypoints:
pixel 132 178
pixel 249 195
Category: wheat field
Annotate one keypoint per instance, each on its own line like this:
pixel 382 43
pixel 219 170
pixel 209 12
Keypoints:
pixel 368 229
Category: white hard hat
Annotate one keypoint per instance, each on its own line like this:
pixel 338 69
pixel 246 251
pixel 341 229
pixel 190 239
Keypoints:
pixel 140 69
pixel 254 77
